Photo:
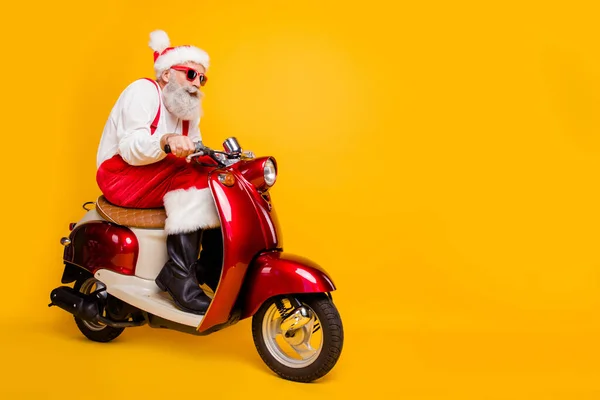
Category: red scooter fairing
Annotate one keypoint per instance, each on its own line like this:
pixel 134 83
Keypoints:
pixel 102 244
pixel 276 273
pixel 249 225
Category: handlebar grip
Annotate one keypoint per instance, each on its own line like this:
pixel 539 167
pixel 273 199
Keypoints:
pixel 199 148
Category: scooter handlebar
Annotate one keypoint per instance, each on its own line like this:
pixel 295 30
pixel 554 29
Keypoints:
pixel 201 150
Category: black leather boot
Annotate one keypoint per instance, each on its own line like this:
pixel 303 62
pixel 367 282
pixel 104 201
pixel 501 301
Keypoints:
pixel 178 276
pixel 209 265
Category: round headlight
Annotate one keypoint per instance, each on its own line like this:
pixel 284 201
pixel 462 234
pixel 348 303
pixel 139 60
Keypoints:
pixel 270 172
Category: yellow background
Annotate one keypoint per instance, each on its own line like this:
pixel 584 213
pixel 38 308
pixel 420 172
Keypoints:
pixel 440 159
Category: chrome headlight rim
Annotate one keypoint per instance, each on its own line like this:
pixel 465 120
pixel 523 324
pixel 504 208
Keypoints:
pixel 270 172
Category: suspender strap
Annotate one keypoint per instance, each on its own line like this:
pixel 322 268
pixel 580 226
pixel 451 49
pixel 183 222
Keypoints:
pixel 154 124
pixel 185 126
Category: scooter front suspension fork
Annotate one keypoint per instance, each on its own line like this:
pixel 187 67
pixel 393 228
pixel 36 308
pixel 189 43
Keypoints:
pixel 283 311
pixel 295 317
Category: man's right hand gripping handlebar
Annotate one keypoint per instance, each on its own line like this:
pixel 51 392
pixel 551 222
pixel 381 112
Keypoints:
pixel 179 145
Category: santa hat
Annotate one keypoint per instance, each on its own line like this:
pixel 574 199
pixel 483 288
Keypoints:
pixel 165 56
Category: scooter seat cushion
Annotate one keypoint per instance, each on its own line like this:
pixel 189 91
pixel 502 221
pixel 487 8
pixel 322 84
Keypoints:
pixel 146 218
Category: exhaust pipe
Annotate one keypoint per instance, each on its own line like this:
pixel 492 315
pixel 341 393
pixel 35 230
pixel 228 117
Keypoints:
pixel 80 305
pixel 86 307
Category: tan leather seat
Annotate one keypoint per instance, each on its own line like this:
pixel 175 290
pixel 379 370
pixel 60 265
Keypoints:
pixel 146 218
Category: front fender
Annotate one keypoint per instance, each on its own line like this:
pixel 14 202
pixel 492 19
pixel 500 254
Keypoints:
pixel 277 273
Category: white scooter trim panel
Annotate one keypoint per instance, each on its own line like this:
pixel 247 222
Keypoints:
pixel 145 295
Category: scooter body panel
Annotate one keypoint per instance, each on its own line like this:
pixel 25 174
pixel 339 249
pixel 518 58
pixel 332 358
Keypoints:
pixel 277 273
pixel 249 227
pixel 99 244
pixel 145 295
pixel 152 254
pixel 145 260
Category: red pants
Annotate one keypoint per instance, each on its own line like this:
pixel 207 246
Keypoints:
pixel 173 183
pixel 145 186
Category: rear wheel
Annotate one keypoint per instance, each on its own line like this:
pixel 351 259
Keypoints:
pixel 95 331
pixel 303 354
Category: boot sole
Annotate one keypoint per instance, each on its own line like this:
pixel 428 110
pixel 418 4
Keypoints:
pixel 162 287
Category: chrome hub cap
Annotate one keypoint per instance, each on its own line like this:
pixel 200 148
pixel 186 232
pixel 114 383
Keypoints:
pixel 297 348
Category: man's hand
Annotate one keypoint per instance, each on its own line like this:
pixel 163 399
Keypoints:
pixel 181 146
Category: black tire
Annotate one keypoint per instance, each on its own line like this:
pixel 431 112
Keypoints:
pixel 333 340
pixel 104 335
pixel 93 330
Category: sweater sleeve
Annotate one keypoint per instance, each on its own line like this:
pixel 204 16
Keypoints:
pixel 140 104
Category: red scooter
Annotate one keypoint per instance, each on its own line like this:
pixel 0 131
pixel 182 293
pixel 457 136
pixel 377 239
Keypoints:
pixel 113 254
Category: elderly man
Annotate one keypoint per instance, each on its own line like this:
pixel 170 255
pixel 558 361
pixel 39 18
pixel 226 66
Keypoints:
pixel 134 170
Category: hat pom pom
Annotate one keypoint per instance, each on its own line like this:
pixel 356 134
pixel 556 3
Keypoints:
pixel 159 40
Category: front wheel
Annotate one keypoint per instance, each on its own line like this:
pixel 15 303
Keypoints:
pixel 303 354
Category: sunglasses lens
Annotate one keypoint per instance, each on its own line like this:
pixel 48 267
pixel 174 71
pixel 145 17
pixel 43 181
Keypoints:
pixel 191 74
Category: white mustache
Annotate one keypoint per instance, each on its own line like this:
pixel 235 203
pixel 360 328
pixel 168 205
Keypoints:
pixel 193 90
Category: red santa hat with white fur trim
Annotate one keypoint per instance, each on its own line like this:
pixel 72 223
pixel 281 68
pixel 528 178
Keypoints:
pixel 166 56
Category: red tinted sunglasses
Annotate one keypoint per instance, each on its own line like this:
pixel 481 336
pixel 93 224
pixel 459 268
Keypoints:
pixel 191 74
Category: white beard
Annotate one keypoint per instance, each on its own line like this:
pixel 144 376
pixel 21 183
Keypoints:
pixel 183 101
